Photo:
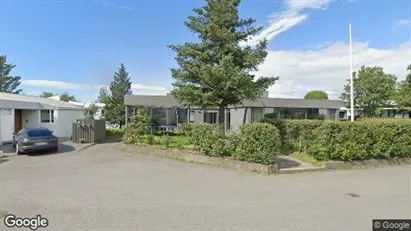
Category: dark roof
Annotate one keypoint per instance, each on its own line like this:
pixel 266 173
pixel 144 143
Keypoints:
pixel 168 101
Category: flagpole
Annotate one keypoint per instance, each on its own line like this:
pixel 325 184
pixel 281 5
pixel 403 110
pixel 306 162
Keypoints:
pixel 351 76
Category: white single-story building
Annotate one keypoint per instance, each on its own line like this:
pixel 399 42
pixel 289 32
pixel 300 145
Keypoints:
pixel 20 111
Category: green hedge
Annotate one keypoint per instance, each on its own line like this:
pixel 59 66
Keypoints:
pixel 362 140
pixel 336 140
pixel 295 135
pixel 258 143
pixel 114 132
pixel 209 138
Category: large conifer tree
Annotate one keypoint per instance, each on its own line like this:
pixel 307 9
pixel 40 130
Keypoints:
pixel 216 71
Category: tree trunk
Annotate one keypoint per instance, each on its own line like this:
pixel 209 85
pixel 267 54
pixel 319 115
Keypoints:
pixel 245 115
pixel 221 117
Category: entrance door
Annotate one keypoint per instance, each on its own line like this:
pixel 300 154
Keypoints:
pixel 18 120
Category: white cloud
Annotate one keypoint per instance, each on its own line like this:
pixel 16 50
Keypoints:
pixel 401 24
pixel 291 16
pixel 51 84
pixel 328 68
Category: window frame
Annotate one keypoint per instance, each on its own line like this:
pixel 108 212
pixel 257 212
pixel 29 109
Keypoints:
pixel 51 116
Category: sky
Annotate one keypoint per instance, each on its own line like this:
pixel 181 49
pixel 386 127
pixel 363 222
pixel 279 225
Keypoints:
pixel 76 45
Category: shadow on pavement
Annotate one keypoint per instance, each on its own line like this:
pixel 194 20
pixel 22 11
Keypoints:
pixel 63 148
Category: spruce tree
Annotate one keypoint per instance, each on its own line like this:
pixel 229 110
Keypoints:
pixel 114 111
pixel 216 71
pixel 8 84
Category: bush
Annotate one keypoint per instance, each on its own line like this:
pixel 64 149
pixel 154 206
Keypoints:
pixel 141 121
pixel 167 141
pixel 150 139
pixel 114 132
pixel 362 140
pixel 131 134
pixel 295 135
pixel 209 138
pixel 258 143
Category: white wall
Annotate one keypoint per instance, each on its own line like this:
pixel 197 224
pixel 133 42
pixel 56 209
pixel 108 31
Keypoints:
pixel 237 116
pixel 63 120
pixel 6 125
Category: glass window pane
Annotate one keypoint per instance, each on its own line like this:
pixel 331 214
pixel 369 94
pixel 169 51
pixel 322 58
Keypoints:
pixel 45 116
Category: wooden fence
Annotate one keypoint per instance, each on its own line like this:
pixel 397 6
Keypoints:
pixel 89 131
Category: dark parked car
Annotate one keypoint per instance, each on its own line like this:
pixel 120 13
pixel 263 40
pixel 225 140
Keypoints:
pixel 34 139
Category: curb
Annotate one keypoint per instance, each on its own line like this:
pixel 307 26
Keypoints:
pixel 208 160
pixel 366 163
pixel 299 170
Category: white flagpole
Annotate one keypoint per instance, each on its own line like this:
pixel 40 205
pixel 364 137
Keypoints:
pixel 351 77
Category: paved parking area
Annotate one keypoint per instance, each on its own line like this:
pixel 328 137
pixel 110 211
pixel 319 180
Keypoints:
pixel 102 188
pixel 64 147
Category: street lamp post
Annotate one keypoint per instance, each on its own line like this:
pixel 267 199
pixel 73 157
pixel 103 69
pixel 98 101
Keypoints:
pixel 351 76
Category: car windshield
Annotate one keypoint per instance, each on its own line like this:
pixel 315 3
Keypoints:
pixel 37 133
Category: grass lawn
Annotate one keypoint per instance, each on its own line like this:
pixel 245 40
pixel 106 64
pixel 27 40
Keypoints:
pixel 307 159
pixel 180 142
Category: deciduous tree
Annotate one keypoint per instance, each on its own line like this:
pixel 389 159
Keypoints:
pixel 403 96
pixel 217 70
pixel 373 89
pixel 90 111
pixel 317 94
pixel 67 97
pixel 46 94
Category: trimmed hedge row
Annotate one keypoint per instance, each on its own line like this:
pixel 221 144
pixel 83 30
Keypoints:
pixel 257 142
pixel 335 140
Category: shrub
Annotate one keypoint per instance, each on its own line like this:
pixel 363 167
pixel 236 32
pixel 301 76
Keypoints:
pixel 150 139
pixel 362 140
pixel 131 134
pixel 141 121
pixel 167 140
pixel 258 143
pixel 295 135
pixel 114 132
pixel 300 133
pixel 209 138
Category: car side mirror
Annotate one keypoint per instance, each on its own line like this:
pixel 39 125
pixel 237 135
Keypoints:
pixel 51 131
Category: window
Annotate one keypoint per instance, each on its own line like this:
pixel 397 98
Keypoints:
pixel 47 116
pixel 38 133
pixel 192 114
pixel 210 117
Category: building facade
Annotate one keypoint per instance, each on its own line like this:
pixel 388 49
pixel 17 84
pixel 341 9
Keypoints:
pixel 166 111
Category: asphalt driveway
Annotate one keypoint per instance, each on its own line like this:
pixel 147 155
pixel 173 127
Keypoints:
pixel 102 188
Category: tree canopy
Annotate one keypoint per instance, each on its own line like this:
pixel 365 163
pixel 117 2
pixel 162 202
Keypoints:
pixel 317 94
pixel 403 96
pixel 8 83
pixel 65 96
pixel 114 111
pixel 373 89
pixel 216 71
pixel 47 94
pixel 103 96
pixel 90 111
